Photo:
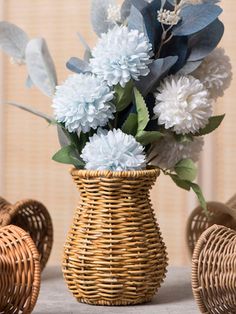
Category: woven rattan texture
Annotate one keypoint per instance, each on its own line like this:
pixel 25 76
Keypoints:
pixel 114 254
pixel 33 217
pixel 19 271
pixel 214 271
pixel 220 214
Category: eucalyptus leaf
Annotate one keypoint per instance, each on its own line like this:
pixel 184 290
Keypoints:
pixel 63 139
pixel 158 69
pixel 136 21
pixel 68 155
pixel 140 4
pixel 13 40
pixel 195 18
pixel 123 95
pixel 148 137
pixel 142 110
pixel 28 82
pixel 204 42
pixel 35 112
pixel 78 66
pixel 99 16
pixel 189 67
pixel 213 124
pixel 125 9
pixel 88 52
pixel 186 170
pixel 153 26
pixel 130 125
pixel 72 137
pixel 40 66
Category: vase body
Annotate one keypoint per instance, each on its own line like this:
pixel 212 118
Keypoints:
pixel 114 253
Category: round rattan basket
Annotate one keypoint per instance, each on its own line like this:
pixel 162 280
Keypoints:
pixel 214 271
pixel 19 271
pixel 114 254
pixel 33 217
pixel 220 214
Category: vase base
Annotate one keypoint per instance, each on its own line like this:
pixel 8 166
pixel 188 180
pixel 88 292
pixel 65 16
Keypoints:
pixel 115 302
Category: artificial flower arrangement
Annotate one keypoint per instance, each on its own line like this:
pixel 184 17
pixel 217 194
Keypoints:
pixel 144 95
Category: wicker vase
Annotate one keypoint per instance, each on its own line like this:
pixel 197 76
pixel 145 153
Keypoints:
pixel 114 254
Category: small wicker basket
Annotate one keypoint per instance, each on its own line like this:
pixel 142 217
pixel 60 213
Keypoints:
pixel 214 271
pixel 19 271
pixel 114 254
pixel 220 214
pixel 33 217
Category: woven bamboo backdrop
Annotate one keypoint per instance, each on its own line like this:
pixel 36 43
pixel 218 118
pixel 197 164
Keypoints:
pixel 27 143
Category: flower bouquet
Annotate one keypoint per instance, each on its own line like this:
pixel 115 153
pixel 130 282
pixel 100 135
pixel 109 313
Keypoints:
pixel 138 103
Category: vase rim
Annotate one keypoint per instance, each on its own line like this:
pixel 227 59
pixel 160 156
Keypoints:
pixel 149 172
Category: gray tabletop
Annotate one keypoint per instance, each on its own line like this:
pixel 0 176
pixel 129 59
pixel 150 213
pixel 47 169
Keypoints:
pixel 175 296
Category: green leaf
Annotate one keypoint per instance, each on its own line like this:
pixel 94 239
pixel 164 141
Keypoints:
pixel 213 124
pixel 186 170
pixel 142 110
pixel 180 183
pixel 123 95
pixel 130 126
pixel 148 137
pixel 68 155
pixel 187 185
pixel 196 188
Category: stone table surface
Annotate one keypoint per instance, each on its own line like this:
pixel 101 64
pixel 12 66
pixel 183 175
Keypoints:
pixel 175 296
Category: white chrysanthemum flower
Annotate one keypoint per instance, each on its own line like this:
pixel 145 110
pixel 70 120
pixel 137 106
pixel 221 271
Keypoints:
pixel 114 13
pixel 215 72
pixel 113 150
pixel 182 103
pixel 168 17
pixel 169 152
pixel 121 55
pixel 83 102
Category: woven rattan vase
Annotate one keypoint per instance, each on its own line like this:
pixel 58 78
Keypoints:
pixel 214 271
pixel 220 214
pixel 33 217
pixel 19 271
pixel 114 254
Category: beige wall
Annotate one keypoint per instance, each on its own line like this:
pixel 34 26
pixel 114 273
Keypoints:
pixel 27 143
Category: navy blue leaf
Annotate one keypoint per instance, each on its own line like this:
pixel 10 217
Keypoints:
pixel 204 42
pixel 178 46
pixel 139 4
pixel 158 69
pixel 195 18
pixel 77 65
pixel 153 26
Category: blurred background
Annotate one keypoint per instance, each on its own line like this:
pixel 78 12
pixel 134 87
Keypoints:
pixel 27 142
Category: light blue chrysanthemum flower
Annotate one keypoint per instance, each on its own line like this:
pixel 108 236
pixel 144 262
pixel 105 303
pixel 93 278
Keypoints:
pixel 113 150
pixel 83 102
pixel 120 55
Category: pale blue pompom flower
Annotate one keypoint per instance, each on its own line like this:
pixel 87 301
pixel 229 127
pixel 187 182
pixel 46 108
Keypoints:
pixel 83 102
pixel 113 150
pixel 121 55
